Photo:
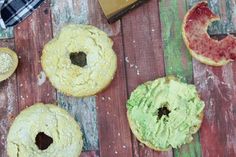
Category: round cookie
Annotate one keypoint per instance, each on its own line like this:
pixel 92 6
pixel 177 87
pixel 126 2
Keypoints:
pixel 80 61
pixel 164 113
pixel 48 123
pixel 8 63
pixel 201 46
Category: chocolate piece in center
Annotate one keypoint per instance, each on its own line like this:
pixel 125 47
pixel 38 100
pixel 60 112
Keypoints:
pixel 78 58
pixel 43 141
pixel 163 111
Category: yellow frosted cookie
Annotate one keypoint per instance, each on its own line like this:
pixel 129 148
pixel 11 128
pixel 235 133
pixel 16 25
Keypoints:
pixel 80 61
pixel 44 131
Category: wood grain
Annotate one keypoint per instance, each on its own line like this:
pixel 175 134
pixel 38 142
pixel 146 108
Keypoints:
pixel 90 154
pixel 68 11
pixel 8 103
pixel 114 134
pixel 30 36
pixel 226 9
pixel 143 55
pixel 178 61
pixel 63 13
pixel 84 111
pixel 218 89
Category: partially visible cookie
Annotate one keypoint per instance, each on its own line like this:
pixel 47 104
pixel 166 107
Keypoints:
pixel 80 61
pixel 201 46
pixel 165 113
pixel 8 63
pixel 44 131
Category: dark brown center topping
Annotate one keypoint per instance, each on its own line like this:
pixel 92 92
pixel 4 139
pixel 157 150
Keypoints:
pixel 78 58
pixel 43 141
pixel 163 111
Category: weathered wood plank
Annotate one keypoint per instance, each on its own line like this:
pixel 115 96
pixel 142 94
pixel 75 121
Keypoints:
pixel 218 89
pixel 226 9
pixel 68 11
pixel 6 33
pixel 80 12
pixel 83 111
pixel 178 61
pixel 114 134
pixel 74 11
pixel 8 103
pixel 143 55
pixel 30 37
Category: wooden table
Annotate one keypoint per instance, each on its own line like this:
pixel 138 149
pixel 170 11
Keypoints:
pixel 149 45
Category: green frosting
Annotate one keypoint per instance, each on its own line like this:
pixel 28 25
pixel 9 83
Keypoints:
pixel 164 131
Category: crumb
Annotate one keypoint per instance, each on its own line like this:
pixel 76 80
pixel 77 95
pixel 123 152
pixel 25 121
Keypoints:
pixel 109 98
pixel 108 113
pixel 124 146
pixel 116 152
pixel 21 85
pixel 118 134
pixel 103 98
pixel 127 59
pixel 41 78
pixel 138 73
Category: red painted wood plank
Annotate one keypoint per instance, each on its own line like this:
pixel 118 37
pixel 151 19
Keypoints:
pixel 144 55
pixel 8 103
pixel 114 134
pixel 30 37
pixel 217 87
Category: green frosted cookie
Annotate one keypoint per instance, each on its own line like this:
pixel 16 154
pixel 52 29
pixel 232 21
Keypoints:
pixel 164 113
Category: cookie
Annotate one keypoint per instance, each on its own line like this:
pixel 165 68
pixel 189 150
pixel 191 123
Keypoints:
pixel 80 61
pixel 44 131
pixel 201 46
pixel 8 63
pixel 165 113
